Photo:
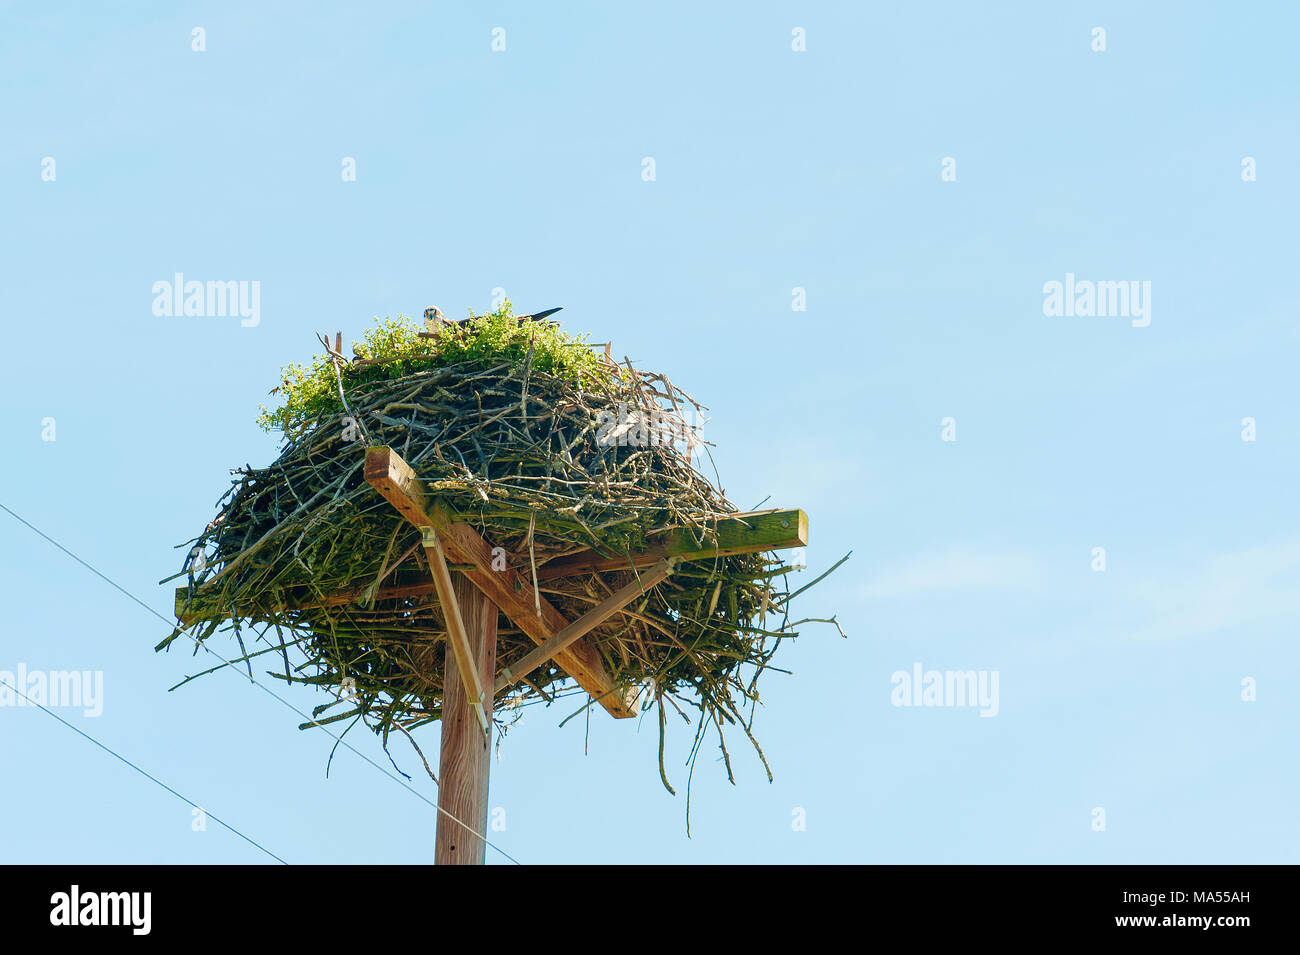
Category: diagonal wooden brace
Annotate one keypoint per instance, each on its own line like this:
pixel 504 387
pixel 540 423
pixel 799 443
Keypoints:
pixel 508 589
pixel 584 624
pixel 456 634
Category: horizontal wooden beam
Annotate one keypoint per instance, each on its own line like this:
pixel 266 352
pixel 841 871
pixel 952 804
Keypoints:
pixel 745 533
pixel 741 533
pixel 584 624
pixel 508 589
pixel 204 604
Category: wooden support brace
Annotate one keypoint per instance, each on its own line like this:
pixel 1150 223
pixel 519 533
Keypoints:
pixel 584 624
pixel 508 589
pixel 456 634
pixel 744 533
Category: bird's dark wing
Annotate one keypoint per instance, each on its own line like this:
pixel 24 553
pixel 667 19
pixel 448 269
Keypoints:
pixel 538 316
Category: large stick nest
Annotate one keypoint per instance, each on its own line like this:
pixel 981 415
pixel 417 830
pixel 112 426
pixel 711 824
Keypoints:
pixel 527 459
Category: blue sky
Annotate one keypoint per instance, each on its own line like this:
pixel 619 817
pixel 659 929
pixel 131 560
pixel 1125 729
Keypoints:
pixel 774 169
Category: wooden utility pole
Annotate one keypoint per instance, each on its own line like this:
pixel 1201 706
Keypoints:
pixel 466 747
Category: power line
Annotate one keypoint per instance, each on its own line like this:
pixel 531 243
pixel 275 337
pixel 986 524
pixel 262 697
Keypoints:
pixel 229 663
pixel 142 772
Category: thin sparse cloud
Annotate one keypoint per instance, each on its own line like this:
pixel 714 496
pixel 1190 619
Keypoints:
pixel 957 570
pixel 1235 591
pixel 1239 590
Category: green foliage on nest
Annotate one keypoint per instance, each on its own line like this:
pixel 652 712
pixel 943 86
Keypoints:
pixel 310 391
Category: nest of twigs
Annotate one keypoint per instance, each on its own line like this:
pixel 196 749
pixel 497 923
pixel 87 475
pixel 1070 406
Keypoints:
pixel 534 462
